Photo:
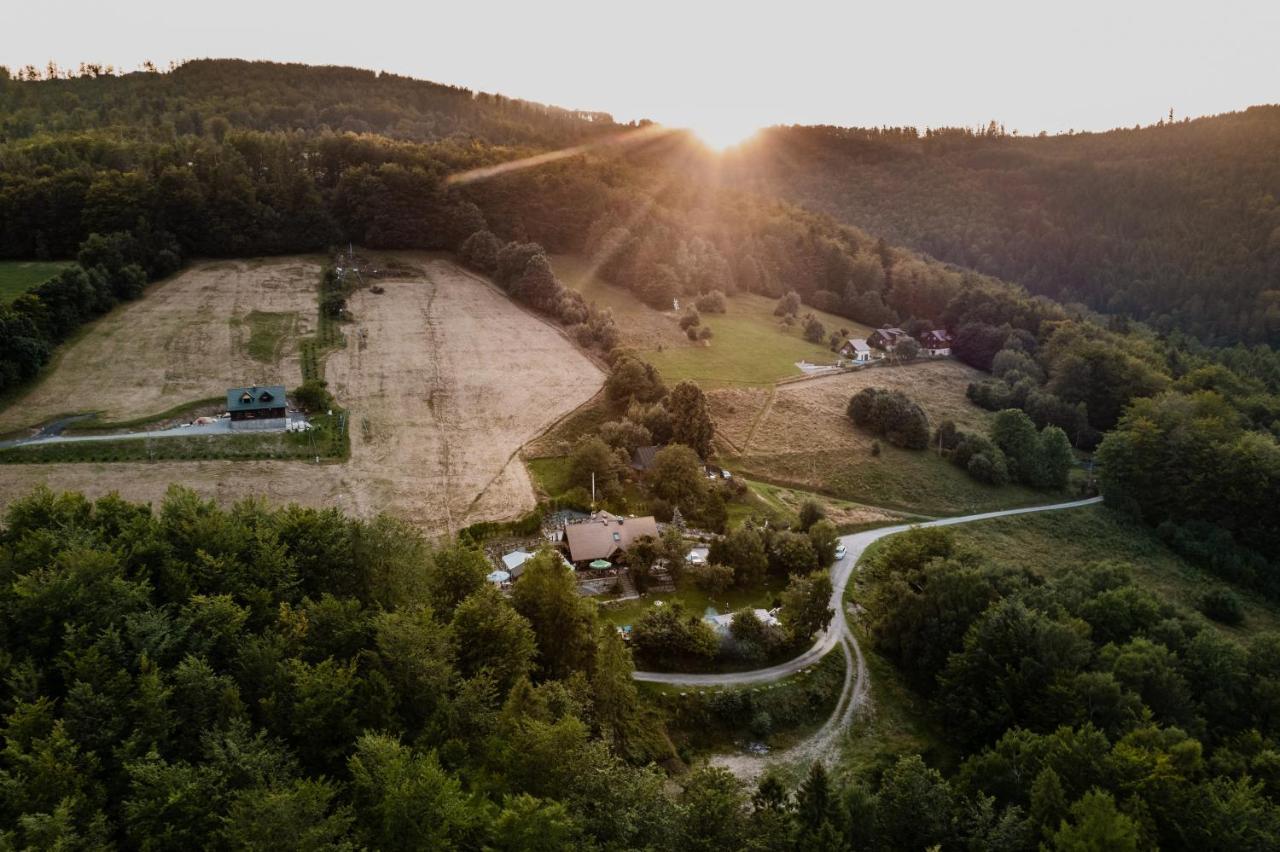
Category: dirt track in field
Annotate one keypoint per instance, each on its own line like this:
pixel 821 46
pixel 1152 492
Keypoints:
pixel 445 378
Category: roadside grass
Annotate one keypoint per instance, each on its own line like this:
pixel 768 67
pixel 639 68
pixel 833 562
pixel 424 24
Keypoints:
pixel 895 722
pixel 1052 543
pixel 92 425
pixel 19 276
pixel 327 439
pixel 749 346
pixel 269 334
pixel 779 714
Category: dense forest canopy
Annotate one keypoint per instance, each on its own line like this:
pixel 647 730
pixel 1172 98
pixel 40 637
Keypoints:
pixel 206 95
pixel 1177 224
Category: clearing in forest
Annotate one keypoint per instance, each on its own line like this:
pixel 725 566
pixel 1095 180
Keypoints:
pixel 444 379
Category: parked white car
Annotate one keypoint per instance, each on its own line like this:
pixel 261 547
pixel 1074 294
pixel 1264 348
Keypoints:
pixel 840 551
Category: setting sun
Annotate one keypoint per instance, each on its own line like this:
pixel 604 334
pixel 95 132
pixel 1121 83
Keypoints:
pixel 720 132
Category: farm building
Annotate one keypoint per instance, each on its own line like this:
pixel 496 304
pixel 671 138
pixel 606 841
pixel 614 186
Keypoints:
pixel 603 535
pixel 887 338
pixel 260 408
pixel 936 342
pixel 857 349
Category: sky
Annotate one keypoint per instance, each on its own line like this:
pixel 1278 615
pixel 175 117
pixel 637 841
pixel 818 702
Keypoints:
pixel 725 68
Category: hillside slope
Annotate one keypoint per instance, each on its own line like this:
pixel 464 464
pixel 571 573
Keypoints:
pixel 1178 224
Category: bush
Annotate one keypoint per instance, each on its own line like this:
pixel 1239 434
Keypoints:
pixel 710 303
pixel 691 332
pixel 690 319
pixel 892 415
pixel 813 329
pixel 788 305
pixel 313 396
pixel 704 333
pixel 710 578
pixel 1223 605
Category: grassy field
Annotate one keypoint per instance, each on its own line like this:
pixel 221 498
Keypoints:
pixel 1053 542
pixel 783 504
pixel 19 276
pixel 798 435
pixel 436 420
pixel 749 347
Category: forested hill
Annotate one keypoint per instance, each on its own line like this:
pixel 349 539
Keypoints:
pixel 211 95
pixel 1177 224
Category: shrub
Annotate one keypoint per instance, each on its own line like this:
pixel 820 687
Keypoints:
pixel 813 329
pixel 788 305
pixel 690 319
pixel 710 578
pixel 704 333
pixel 313 396
pixel 710 303
pixel 1222 605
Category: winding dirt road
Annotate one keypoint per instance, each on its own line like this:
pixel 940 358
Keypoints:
pixel 857 685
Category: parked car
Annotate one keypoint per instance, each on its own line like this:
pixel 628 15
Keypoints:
pixel 840 551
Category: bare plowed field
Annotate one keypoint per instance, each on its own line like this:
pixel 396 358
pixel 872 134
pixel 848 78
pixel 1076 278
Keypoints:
pixel 445 378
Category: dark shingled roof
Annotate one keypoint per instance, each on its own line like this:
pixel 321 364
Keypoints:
pixel 642 458
pixel 255 398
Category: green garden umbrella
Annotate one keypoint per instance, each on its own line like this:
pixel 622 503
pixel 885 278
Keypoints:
pixel 601 563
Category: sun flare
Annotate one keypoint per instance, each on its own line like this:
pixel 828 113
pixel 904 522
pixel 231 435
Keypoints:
pixel 720 132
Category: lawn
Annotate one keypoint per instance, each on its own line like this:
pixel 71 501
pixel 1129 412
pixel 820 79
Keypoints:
pixel 1053 542
pixel 749 345
pixel 695 601
pixel 19 276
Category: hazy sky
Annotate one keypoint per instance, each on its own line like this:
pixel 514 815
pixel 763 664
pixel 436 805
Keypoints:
pixel 729 66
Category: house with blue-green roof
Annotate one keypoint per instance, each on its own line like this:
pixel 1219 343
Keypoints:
pixel 256 407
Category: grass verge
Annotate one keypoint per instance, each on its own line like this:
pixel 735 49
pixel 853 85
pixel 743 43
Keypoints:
pixel 328 439
pixel 717 719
